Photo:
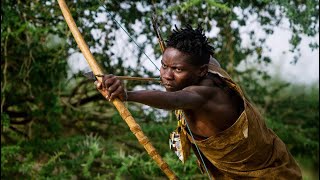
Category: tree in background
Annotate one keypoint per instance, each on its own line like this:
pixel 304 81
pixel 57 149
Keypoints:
pixel 39 99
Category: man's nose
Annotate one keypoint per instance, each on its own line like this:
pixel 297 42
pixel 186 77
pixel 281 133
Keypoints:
pixel 168 74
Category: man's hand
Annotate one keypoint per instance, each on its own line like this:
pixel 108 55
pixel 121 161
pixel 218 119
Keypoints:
pixel 111 87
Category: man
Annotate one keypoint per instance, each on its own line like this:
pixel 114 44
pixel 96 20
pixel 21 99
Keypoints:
pixel 231 135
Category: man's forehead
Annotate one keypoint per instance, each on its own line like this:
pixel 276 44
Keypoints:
pixel 175 62
pixel 175 57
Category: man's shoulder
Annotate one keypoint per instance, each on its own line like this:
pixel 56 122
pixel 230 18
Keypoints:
pixel 206 91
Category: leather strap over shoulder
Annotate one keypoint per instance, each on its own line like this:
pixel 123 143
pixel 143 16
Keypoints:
pixel 212 68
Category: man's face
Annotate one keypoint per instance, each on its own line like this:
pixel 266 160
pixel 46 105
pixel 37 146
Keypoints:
pixel 176 73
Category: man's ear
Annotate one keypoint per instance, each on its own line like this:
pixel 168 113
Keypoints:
pixel 203 70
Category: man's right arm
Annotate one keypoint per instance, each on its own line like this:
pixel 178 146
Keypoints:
pixel 188 98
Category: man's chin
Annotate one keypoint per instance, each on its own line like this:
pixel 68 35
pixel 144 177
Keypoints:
pixel 171 89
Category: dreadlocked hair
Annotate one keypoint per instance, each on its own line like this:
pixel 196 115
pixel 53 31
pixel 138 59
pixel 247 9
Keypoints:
pixel 192 42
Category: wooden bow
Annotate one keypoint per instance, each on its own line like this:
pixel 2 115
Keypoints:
pixel 123 111
pixel 158 34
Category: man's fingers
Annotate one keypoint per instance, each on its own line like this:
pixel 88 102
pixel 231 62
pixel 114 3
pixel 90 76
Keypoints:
pixel 98 84
pixel 117 93
pixel 108 80
pixel 114 86
pixel 111 87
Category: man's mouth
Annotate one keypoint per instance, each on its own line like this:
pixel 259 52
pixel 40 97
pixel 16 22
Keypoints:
pixel 168 86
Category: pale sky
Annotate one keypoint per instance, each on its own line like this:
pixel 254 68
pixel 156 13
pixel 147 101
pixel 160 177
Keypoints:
pixel 305 71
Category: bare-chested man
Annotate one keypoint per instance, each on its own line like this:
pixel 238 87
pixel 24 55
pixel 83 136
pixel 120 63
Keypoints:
pixel 231 135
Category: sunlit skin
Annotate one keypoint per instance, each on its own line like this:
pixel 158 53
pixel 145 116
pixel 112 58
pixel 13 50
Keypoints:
pixel 208 109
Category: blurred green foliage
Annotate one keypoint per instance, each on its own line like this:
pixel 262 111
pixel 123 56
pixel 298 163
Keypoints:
pixel 55 125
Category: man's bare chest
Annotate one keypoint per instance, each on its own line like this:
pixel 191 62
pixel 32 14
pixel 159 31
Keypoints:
pixel 201 124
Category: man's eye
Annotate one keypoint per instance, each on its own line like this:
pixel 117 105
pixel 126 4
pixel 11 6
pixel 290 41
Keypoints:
pixel 164 66
pixel 178 70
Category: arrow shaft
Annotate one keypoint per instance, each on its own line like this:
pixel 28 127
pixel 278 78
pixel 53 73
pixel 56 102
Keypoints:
pixel 135 78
